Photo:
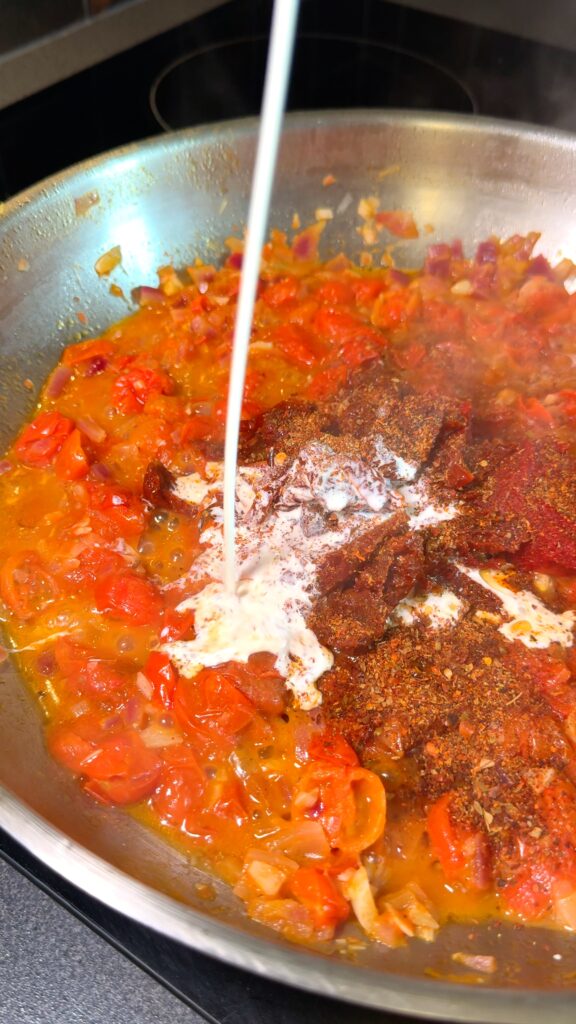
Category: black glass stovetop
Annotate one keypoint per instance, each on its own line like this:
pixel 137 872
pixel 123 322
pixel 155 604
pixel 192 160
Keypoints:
pixel 219 993
pixel 367 53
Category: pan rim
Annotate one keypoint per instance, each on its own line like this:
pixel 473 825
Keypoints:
pixel 381 989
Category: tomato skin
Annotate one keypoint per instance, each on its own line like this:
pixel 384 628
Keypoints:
pixel 316 891
pixel 335 293
pixel 212 705
pixel 332 747
pixel 86 350
pixel 228 804
pixel 547 871
pixel 463 854
pixel 85 671
pixel 176 625
pixel 135 385
pixel 181 789
pixel 42 439
pixel 409 356
pixel 349 802
pixel 163 676
pixel 259 681
pixel 281 293
pixel 118 767
pixel 327 383
pixel 295 344
pixel 71 462
pixel 92 563
pixel 122 511
pixel 341 327
pixel 123 595
pixel 367 289
pixel 26 586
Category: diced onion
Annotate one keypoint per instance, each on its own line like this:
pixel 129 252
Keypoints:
pixel 58 381
pixel 565 911
pixel 156 735
pixel 108 262
pixel 476 962
pixel 92 430
pixel 144 685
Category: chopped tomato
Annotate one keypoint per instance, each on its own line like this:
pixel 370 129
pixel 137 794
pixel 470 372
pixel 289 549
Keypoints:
pixel 349 802
pixel 295 344
pixel 343 328
pixel 118 767
pixel 400 223
pixel 91 563
pixel 43 438
pixel 181 788
pixel 123 511
pixel 547 871
pixel 132 598
pixel 163 676
pixel 463 854
pixel 212 705
pixel 394 309
pixel 26 586
pixel 367 289
pixel 335 293
pixel 176 624
pixel 228 803
pixel 71 462
pixel 327 383
pixel 86 350
pixel 409 356
pixel 136 385
pixel 331 746
pixel 281 292
pixel 85 671
pixel 316 891
pixel 533 409
pixel 260 682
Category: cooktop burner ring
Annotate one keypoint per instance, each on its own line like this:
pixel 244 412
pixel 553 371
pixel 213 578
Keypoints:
pixel 224 80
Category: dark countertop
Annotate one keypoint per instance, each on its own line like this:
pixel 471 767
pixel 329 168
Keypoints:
pixel 55 970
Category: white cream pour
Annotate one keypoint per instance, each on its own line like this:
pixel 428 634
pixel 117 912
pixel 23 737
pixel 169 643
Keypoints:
pixel 442 608
pixel 531 622
pixel 278 557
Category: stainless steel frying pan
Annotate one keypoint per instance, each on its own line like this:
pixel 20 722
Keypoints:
pixel 168 200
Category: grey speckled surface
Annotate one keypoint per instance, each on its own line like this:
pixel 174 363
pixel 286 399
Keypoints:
pixel 55 970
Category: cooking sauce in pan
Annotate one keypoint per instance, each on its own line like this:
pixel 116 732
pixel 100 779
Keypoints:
pixel 407 467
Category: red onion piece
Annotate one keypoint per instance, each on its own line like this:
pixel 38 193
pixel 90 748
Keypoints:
pixel 46 663
pixel 92 430
pixel 5 466
pixel 134 712
pixel 399 277
pixel 235 260
pixel 438 260
pixel 95 365
pixel 483 279
pixel 100 471
pixel 146 296
pixel 58 381
pixel 539 267
pixel 486 252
